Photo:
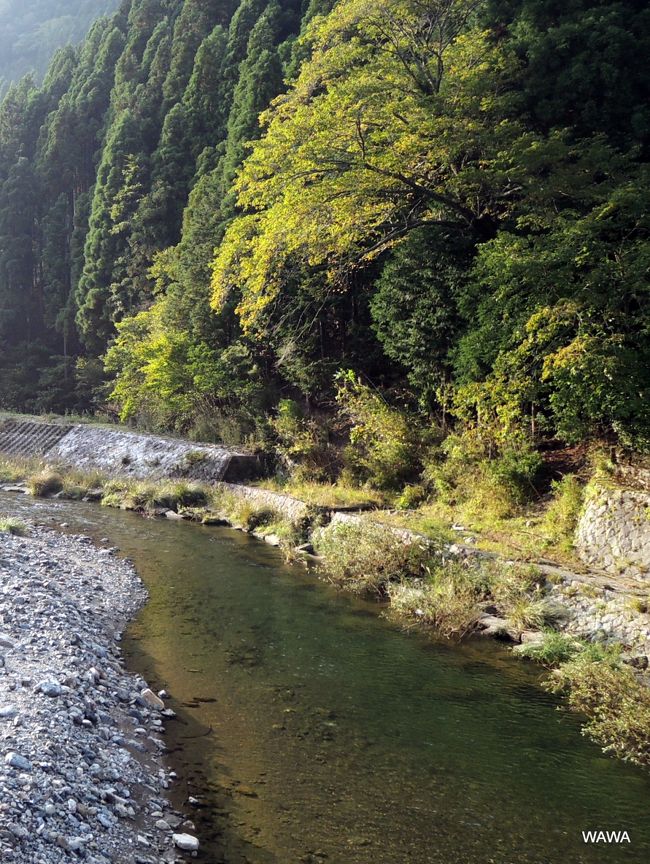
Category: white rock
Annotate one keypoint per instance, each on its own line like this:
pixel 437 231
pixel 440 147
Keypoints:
pixel 151 699
pixel 186 842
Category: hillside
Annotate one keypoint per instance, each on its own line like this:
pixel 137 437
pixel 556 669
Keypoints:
pixel 31 32
pixel 436 247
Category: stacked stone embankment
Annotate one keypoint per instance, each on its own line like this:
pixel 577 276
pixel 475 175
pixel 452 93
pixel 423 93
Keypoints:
pixel 24 438
pixel 117 452
pixel 614 532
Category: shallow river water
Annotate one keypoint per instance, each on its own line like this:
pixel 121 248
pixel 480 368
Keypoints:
pixel 315 732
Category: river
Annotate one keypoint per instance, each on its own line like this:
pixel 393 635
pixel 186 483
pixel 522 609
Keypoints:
pixel 313 731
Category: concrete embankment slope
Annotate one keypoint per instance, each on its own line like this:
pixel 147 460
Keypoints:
pixel 121 453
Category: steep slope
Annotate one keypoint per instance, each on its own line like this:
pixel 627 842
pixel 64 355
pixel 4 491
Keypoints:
pixel 30 32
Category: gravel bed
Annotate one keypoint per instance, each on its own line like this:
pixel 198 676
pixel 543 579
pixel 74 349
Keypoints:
pixel 81 770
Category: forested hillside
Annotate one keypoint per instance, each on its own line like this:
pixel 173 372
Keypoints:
pixel 442 226
pixel 32 30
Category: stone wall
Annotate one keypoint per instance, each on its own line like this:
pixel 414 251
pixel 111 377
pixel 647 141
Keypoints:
pixel 613 533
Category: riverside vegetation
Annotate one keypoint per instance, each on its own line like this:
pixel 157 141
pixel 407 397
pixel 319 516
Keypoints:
pixel 400 245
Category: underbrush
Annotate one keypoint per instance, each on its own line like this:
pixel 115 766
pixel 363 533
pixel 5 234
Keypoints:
pixel 44 480
pixel 561 516
pixel 465 474
pixel 150 496
pixel 340 494
pixel 596 683
pixel 259 519
pixel 243 512
pixel 519 592
pixel 449 594
pixel 449 599
pixel 16 470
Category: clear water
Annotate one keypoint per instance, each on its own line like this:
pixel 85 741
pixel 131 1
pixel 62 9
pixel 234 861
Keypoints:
pixel 312 730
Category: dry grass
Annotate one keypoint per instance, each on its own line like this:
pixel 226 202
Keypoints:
pixel 45 483
pixel 326 494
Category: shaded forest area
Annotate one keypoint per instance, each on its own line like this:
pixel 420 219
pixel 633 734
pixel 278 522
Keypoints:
pixel 436 247
pixel 32 30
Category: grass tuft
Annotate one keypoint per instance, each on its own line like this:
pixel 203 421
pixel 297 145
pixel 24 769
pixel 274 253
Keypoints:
pixel 9 525
pixel 45 483
pixel 365 557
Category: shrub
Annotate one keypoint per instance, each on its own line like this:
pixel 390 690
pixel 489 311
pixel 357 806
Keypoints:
pixel 385 442
pixel 488 484
pixel 449 599
pixel 561 517
pixel 555 648
pixel 45 483
pixel 615 702
pixel 302 443
pixel 365 557
pixel 518 592
pixel 411 497
pixel 242 511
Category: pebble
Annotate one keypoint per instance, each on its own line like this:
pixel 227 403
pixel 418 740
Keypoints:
pixel 71 716
pixel 15 760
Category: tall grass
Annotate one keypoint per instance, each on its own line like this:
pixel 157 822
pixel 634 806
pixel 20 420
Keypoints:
pixel 366 557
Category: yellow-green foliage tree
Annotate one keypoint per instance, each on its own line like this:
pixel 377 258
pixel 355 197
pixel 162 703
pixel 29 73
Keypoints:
pixel 403 116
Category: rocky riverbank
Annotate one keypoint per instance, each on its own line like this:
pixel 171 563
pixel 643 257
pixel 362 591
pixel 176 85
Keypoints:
pixel 81 768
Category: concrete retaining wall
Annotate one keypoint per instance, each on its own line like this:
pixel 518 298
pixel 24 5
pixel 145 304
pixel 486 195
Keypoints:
pixel 125 454
pixel 291 508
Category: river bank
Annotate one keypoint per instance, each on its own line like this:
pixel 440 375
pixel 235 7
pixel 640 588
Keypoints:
pixel 81 773
pixel 590 628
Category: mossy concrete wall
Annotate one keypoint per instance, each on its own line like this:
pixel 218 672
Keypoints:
pixel 121 453
pixel 613 533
